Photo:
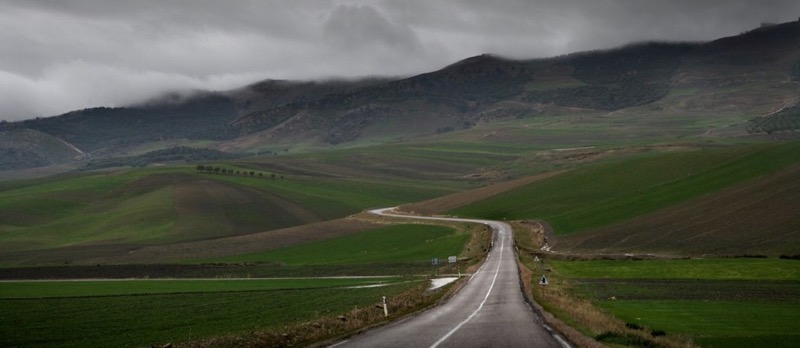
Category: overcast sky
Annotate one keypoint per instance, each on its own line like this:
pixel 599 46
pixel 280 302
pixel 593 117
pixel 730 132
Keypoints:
pixel 62 55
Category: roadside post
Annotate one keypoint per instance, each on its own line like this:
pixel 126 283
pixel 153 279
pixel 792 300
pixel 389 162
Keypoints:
pixel 543 282
pixel 385 309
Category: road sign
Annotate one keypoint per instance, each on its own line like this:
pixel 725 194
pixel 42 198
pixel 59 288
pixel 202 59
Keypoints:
pixel 543 281
pixel 435 261
pixel 536 259
pixel 452 259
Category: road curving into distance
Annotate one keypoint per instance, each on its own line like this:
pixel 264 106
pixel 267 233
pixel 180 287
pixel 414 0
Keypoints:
pixel 489 311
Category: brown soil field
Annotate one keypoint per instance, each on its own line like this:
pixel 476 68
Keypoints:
pixel 204 207
pixel 690 289
pixel 445 203
pixel 212 200
pixel 756 217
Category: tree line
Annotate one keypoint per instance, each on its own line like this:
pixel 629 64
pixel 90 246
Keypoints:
pixel 228 171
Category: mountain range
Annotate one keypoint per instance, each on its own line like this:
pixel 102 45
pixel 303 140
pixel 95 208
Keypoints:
pixel 752 79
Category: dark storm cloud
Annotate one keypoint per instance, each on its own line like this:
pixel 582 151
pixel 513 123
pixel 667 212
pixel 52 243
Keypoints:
pixel 57 56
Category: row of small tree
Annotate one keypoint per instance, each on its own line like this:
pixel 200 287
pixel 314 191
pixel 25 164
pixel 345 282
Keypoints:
pixel 226 171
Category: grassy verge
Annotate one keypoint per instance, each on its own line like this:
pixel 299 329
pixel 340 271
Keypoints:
pixel 711 302
pixel 575 318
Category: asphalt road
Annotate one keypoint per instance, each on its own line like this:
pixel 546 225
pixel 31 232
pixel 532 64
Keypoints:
pixel 489 311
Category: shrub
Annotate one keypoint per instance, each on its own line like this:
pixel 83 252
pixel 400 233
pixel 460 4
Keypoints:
pixel 634 326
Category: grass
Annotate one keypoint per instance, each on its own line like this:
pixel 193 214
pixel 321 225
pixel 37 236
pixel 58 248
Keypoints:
pixel 738 302
pixel 31 202
pixel 710 269
pixel 91 288
pixel 392 244
pixel 441 162
pixel 553 85
pixel 335 197
pixel 152 312
pixel 143 320
pixel 173 204
pixel 145 217
pixel 681 92
pixel 716 323
pixel 606 193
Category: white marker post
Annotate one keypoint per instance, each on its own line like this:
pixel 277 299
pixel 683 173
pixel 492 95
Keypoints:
pixel 385 309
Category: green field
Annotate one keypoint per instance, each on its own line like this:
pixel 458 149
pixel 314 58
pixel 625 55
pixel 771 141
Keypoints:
pixel 83 313
pixel 615 174
pixel 717 323
pixel 602 194
pixel 639 158
pixel 713 302
pixel 154 206
pixel 715 269
pixel 155 319
pixel 391 244
pixel 116 287
pixel 142 312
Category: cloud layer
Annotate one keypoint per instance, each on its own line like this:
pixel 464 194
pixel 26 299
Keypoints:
pixel 58 56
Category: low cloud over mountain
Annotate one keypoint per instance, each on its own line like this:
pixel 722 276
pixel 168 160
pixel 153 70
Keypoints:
pixel 66 55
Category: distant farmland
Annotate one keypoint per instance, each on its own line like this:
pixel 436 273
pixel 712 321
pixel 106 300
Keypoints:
pixel 688 189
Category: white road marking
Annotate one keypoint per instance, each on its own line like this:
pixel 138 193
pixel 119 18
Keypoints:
pixel 496 272
pixel 496 225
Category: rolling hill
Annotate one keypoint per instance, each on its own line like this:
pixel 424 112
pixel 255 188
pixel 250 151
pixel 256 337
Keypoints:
pixel 674 149
pixel 641 118
pixel 724 201
pixel 87 216
pixel 756 217
pixel 28 148
pixel 746 83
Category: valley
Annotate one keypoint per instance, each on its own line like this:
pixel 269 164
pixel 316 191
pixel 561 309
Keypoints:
pixel 655 185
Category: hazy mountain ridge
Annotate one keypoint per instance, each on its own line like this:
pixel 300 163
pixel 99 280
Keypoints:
pixel 754 73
